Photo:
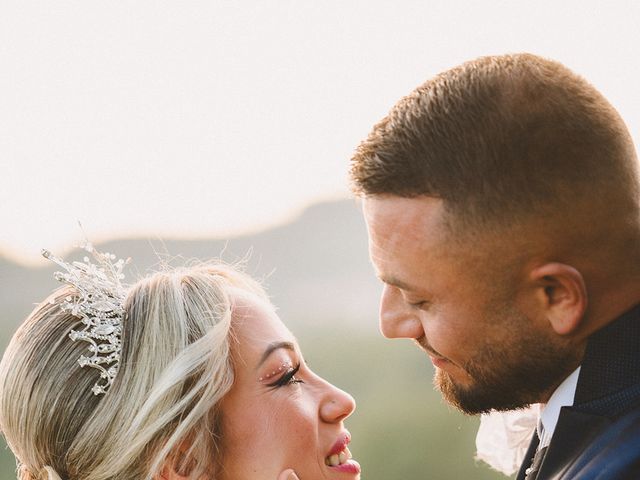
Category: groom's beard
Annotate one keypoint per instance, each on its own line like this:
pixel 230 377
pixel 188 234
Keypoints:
pixel 513 375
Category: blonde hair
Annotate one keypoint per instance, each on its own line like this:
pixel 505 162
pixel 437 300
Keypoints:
pixel 175 368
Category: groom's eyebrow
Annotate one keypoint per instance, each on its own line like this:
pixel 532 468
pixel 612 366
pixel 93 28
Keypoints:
pixel 396 282
pixel 276 346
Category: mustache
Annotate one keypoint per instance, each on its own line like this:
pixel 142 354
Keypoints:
pixel 423 344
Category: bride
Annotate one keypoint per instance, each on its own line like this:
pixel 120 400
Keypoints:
pixel 187 374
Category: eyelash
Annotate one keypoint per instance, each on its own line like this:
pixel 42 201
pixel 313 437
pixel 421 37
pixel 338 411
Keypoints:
pixel 287 379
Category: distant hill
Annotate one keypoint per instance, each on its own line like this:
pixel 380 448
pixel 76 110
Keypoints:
pixel 317 271
pixel 315 268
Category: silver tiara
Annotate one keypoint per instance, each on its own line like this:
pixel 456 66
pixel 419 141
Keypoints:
pixel 99 306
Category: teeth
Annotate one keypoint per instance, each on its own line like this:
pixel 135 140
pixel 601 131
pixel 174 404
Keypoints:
pixel 338 458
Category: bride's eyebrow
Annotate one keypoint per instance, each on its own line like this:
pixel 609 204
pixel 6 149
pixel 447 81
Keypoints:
pixel 272 347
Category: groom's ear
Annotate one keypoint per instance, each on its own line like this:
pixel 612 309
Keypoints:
pixel 561 296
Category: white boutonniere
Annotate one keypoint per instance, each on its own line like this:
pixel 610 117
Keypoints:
pixel 503 438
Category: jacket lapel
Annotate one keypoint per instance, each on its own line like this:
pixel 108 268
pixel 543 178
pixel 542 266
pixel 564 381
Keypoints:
pixel 574 431
pixel 528 457
pixel 609 384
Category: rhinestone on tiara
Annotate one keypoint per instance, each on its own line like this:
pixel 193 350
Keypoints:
pixel 99 306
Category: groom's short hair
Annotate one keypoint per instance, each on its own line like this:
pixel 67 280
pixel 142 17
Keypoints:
pixel 499 139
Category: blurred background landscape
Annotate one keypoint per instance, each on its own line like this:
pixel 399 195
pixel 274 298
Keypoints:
pixel 180 130
pixel 317 271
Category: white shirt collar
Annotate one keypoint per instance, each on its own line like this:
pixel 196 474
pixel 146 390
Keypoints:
pixel 561 397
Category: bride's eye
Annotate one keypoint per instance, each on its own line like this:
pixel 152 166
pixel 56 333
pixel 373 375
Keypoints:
pixel 288 378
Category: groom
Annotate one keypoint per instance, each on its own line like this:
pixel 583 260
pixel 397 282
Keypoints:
pixel 502 200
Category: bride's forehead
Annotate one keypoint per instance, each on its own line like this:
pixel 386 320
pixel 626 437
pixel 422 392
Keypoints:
pixel 255 318
pixel 247 304
pixel 255 330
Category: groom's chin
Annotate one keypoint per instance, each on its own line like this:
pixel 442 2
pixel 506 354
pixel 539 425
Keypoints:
pixel 474 399
pixel 452 393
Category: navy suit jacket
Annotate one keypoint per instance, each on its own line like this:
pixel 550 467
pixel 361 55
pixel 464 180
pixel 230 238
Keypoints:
pixel 599 436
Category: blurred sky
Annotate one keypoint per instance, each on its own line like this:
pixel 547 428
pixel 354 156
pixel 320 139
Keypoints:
pixel 193 118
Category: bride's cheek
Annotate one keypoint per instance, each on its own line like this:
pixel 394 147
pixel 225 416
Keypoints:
pixel 298 439
pixel 252 441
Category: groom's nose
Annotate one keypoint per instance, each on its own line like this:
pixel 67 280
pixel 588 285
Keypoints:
pixel 397 319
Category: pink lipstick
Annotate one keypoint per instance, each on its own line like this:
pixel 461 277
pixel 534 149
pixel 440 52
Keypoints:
pixel 339 457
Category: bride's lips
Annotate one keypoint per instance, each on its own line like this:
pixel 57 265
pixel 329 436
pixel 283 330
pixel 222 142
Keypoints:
pixel 339 457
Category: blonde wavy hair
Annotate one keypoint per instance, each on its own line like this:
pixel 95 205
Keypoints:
pixel 162 409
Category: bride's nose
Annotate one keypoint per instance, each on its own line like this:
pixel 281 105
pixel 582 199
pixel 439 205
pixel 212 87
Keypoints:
pixel 336 405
